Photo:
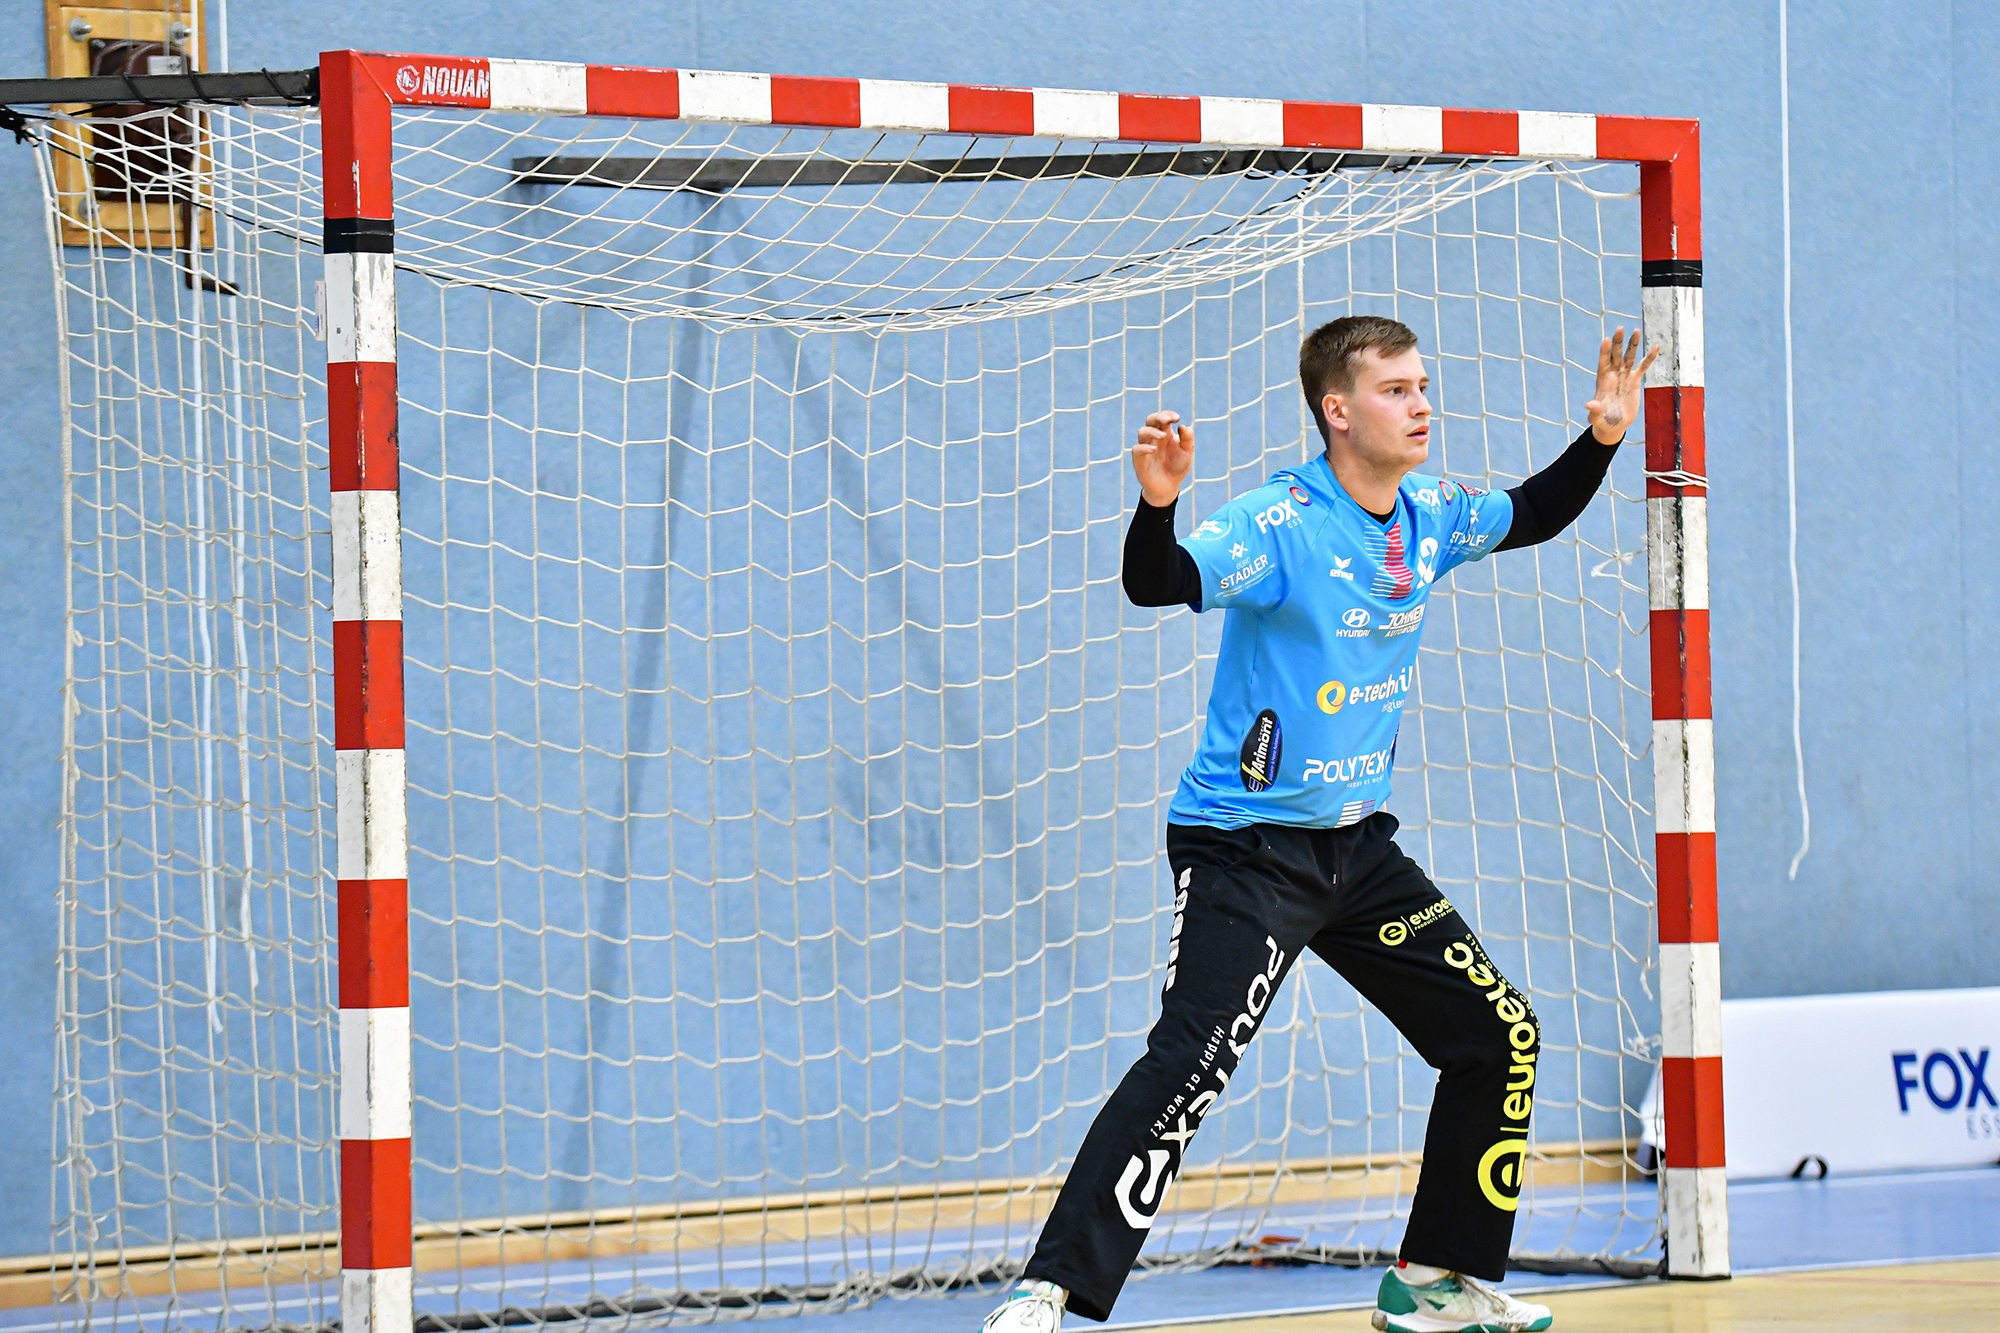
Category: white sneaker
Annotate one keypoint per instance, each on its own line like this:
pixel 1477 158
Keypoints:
pixel 1035 1307
pixel 1454 1303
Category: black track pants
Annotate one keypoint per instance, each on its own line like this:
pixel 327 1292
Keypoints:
pixel 1246 902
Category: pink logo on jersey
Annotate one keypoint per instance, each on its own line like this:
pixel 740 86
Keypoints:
pixel 1299 494
pixel 1395 580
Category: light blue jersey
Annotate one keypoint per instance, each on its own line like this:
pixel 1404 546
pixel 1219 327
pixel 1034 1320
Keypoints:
pixel 1325 606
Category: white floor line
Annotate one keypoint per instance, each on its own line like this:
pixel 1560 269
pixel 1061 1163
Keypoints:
pixel 1871 1178
pixel 1526 1289
pixel 1832 1266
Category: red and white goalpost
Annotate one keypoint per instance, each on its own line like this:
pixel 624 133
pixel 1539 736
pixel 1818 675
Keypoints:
pixel 360 92
pixel 718 368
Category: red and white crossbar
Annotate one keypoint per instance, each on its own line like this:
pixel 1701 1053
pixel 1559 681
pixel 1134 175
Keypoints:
pixel 358 92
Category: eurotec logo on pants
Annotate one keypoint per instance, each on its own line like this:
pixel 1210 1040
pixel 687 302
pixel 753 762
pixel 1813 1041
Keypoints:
pixel 1503 1167
pixel 1395 932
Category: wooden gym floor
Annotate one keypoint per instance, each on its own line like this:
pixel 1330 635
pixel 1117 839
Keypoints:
pixel 1935 1298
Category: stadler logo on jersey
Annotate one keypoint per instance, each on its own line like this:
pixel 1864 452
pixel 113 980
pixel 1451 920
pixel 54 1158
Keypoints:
pixel 1245 575
pixel 1261 749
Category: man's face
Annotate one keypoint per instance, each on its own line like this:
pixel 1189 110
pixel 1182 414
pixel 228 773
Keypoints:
pixel 1387 417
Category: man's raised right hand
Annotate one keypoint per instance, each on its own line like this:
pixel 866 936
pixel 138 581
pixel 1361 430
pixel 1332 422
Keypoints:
pixel 1162 457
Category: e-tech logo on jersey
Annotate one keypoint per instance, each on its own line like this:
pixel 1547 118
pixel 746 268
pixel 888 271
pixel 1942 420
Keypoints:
pixel 1279 515
pixel 1333 696
pixel 467 83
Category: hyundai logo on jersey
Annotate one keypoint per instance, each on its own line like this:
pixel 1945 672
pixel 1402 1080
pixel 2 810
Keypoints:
pixel 1289 629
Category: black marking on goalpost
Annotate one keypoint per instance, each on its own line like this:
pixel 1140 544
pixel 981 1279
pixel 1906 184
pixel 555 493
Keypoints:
pixel 347 236
pixel 1670 273
pixel 711 174
pixel 262 87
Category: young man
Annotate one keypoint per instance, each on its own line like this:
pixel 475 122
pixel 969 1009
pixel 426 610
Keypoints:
pixel 1277 839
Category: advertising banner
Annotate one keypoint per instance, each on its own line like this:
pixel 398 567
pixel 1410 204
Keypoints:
pixel 1881 1081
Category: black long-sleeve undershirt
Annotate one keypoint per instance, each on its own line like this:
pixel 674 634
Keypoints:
pixel 1158 571
pixel 1548 502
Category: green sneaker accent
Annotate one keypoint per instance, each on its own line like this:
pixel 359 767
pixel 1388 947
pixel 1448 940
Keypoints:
pixel 1394 1295
pixel 1451 1303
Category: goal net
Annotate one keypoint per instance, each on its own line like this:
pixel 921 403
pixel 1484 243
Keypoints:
pixel 786 769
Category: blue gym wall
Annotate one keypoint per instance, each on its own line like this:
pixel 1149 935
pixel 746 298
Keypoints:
pixel 1895 202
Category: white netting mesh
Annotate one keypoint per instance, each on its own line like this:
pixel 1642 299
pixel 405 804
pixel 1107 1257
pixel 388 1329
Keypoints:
pixel 787 771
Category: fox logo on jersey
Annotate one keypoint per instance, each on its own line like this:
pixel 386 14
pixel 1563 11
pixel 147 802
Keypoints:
pixel 1277 516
